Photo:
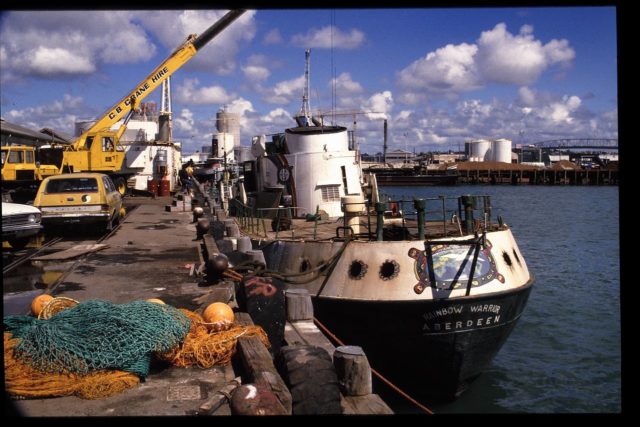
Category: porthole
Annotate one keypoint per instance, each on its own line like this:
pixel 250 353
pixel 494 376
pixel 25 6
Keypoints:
pixel 357 269
pixel 507 258
pixel 515 254
pixel 305 265
pixel 389 270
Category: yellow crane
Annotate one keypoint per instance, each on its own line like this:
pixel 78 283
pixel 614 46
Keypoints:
pixel 98 148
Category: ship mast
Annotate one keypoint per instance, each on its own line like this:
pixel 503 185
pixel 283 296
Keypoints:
pixel 304 116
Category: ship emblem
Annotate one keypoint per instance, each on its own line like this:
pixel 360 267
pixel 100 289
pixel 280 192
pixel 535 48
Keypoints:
pixel 451 265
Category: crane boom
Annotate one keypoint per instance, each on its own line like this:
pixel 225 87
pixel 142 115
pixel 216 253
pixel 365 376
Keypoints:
pixel 176 60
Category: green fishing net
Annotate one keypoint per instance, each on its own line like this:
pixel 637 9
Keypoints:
pixel 96 335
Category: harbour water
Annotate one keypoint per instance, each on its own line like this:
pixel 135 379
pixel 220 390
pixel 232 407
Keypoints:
pixel 564 355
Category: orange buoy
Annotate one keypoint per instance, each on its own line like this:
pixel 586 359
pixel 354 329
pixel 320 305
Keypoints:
pixel 155 300
pixel 219 315
pixel 39 302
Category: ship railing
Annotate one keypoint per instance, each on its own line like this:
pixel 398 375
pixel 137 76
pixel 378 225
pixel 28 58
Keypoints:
pixel 423 218
pixel 254 219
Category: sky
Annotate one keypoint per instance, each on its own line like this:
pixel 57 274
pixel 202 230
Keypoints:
pixel 439 76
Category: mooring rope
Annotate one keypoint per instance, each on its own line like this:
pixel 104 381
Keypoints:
pixel 376 373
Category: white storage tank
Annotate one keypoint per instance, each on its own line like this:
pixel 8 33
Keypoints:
pixel 228 123
pixel 479 149
pixel 502 150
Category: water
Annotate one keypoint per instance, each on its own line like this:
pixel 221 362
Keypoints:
pixel 564 356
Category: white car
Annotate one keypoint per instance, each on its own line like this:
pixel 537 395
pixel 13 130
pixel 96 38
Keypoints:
pixel 19 224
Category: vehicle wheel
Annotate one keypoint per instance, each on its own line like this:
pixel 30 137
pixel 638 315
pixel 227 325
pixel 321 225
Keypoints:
pixel 308 372
pixel 121 185
pixel 19 244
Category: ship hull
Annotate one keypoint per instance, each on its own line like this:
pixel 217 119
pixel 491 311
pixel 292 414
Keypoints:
pixel 430 348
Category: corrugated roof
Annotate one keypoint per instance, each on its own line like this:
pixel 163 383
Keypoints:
pixel 8 129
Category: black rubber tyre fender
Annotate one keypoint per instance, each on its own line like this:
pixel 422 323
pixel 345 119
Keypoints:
pixel 309 373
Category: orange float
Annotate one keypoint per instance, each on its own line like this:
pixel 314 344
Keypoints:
pixel 218 316
pixel 39 302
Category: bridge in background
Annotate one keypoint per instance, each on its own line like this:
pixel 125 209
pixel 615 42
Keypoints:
pixel 581 143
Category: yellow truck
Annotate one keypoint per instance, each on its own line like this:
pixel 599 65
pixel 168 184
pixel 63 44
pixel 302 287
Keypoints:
pixel 98 149
pixel 20 165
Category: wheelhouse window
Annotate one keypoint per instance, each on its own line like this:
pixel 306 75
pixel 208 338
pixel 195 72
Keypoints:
pixel 330 193
pixel 72 185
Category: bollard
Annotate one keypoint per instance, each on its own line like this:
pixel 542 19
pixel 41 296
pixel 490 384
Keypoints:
pixel 257 256
pixel 380 208
pixel 469 205
pixel 244 244
pixel 421 206
pixel 202 227
pixel 215 265
pixel 299 306
pixel 232 230
pixel 353 370
pixel 198 212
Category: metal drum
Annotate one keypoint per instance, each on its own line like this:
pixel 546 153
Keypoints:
pixel 165 188
pixel 152 186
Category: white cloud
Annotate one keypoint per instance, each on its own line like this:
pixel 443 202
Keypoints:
pixel 256 73
pixel 345 85
pixel 184 122
pixel 273 37
pixel 45 61
pixel 505 58
pixel 497 56
pixel 59 115
pixel 381 104
pixel 219 54
pixel 190 93
pixel 69 42
pixel 328 37
pixel 448 69
pixel 526 96
pixel 284 92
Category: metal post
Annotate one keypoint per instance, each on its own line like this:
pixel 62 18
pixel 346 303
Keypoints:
pixel 380 208
pixel 420 205
pixel 468 202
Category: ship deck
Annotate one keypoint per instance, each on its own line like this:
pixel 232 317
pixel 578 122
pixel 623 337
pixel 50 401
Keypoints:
pixel 334 229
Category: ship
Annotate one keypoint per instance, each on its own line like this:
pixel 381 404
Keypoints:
pixel 430 299
pixel 429 288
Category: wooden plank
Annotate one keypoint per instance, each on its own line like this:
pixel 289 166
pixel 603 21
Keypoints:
pixel 72 252
pixel 258 365
pixel 222 292
pixel 306 332
pixel 370 404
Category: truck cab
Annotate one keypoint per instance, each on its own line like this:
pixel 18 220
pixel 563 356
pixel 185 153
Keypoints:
pixel 19 164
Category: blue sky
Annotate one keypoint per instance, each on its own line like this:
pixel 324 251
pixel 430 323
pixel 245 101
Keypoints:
pixel 439 76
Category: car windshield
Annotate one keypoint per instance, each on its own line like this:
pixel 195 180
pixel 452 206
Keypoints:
pixel 72 185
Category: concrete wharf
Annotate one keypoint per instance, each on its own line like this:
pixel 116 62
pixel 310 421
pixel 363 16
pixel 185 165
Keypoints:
pixel 158 252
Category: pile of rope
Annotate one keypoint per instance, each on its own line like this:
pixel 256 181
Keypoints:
pixel 205 348
pixel 96 349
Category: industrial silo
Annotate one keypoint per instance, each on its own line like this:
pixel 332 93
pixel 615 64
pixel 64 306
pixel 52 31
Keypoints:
pixel 228 123
pixel 479 149
pixel 467 149
pixel 502 150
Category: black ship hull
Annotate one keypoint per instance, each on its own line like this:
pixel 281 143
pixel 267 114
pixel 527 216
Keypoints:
pixel 430 349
